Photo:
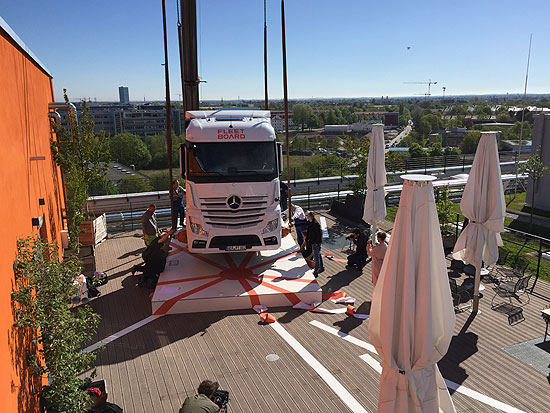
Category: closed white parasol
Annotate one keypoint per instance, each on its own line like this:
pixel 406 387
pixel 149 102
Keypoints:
pixel 412 317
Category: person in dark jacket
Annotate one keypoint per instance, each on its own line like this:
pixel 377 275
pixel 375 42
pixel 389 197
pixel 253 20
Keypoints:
pixel 284 196
pixel 179 210
pixel 359 257
pixel 100 403
pixel 154 258
pixel 315 237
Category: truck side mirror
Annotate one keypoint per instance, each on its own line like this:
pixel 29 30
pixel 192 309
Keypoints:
pixel 280 156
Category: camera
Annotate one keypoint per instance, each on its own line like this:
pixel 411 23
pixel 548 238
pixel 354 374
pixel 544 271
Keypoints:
pixel 221 398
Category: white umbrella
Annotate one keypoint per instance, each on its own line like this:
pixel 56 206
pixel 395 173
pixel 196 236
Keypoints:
pixel 412 317
pixel 484 206
pixel 375 204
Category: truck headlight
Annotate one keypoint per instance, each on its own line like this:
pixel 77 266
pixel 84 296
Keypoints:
pixel 271 226
pixel 197 228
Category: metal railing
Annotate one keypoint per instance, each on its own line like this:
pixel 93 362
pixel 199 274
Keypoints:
pixel 530 242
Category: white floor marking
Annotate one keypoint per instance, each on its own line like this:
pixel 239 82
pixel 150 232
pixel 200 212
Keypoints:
pixel 481 397
pixel 334 384
pixel 347 337
pixel 371 361
pixel 121 333
pixel 324 229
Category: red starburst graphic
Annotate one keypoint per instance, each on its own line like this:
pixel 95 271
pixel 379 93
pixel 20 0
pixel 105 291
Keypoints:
pixel 246 275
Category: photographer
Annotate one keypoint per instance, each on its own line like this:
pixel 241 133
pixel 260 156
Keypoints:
pixel 202 402
pixel 359 258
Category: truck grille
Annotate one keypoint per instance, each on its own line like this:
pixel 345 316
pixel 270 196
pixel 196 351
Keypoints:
pixel 218 214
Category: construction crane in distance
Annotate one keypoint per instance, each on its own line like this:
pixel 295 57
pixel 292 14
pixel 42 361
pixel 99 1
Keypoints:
pixel 429 83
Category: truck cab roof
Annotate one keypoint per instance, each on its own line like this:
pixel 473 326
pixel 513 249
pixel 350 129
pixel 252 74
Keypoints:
pixel 219 114
pixel 246 125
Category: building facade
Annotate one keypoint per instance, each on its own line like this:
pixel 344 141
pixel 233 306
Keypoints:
pixel 32 200
pixel 123 95
pixel 278 121
pixel 141 120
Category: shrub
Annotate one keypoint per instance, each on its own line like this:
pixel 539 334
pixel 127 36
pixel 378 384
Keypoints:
pixel 42 294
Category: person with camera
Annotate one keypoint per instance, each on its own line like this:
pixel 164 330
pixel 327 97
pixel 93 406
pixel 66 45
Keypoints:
pixel 359 258
pixel 202 401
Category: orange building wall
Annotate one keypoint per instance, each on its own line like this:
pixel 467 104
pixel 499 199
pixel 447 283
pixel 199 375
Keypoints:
pixel 25 91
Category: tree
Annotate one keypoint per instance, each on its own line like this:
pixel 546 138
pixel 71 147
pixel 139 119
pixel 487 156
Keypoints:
pixel 102 186
pixel 323 142
pixel 416 151
pixel 444 208
pixel 483 112
pixel 160 181
pixel 133 184
pixel 436 150
pixel 128 149
pixel 503 117
pixel 301 114
pixel 314 121
pixel 434 121
pixel 451 150
pixel 535 169
pixel 83 157
pixel 404 116
pixel 395 161
pixel 514 133
pixel 470 141
pixel 157 146
pixel 332 119
pixel 423 127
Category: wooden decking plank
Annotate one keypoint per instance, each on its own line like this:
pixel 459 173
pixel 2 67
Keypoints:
pixel 231 345
pixel 170 367
pixel 270 384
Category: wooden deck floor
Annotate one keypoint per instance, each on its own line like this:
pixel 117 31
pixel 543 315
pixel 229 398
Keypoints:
pixel 153 368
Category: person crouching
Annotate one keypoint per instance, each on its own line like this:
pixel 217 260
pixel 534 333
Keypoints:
pixel 359 257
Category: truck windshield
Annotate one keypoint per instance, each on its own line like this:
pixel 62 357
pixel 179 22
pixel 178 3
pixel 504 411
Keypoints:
pixel 231 161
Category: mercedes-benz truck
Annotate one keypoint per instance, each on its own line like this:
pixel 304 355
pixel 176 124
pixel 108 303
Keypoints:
pixel 231 162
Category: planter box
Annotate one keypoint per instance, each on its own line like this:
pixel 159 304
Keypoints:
pixel 93 232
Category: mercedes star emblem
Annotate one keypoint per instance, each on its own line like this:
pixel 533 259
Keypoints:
pixel 234 202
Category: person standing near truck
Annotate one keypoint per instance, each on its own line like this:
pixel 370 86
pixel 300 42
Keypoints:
pixel 178 194
pixel 315 237
pixel 149 224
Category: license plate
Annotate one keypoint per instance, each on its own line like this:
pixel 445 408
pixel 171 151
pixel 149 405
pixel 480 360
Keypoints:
pixel 235 248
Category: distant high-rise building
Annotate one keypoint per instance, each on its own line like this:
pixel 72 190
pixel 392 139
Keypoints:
pixel 123 94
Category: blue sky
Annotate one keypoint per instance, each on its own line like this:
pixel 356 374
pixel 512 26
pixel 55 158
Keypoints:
pixel 334 48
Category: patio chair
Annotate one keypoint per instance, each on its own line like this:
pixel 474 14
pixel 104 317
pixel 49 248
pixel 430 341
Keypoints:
pixel 513 289
pixel 494 271
pixel 516 272
pixel 461 296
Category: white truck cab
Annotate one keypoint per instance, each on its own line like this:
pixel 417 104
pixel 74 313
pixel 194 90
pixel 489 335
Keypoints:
pixel 231 162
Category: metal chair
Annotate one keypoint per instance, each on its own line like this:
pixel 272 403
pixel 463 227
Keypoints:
pixel 517 271
pixel 513 289
pixel 461 295
pixel 494 272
